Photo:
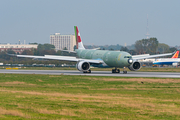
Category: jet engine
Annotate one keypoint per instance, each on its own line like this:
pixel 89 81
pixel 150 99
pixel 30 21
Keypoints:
pixel 83 66
pixel 135 66
pixel 175 64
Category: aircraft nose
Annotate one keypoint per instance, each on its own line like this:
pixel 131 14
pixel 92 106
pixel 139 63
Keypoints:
pixel 130 61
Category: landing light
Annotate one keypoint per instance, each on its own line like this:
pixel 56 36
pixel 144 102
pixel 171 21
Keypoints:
pixel 130 61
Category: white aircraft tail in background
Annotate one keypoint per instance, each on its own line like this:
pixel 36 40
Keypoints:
pixel 79 44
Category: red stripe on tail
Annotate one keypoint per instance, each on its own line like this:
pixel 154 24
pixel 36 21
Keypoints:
pixel 78 35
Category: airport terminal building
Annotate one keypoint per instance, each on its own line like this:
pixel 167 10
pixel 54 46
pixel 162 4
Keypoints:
pixel 17 48
pixel 63 41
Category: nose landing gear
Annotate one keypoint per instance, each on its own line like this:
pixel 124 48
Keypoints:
pixel 124 70
pixel 118 71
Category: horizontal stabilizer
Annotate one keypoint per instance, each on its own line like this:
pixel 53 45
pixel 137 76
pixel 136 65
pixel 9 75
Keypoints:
pixel 96 48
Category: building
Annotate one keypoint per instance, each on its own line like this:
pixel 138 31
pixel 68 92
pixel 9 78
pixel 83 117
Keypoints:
pixel 63 41
pixel 17 48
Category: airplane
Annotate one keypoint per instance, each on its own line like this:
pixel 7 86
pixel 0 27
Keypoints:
pixel 174 60
pixel 100 58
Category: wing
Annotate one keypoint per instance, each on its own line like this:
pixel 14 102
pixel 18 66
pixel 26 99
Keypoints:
pixel 137 56
pixel 62 58
pixel 152 56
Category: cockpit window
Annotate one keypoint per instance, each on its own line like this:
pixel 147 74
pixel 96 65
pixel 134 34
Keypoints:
pixel 127 56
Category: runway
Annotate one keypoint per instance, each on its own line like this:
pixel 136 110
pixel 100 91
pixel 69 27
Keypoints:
pixel 95 73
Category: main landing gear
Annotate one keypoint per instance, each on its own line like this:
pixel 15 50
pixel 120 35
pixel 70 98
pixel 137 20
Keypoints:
pixel 115 70
pixel 89 71
pixel 118 71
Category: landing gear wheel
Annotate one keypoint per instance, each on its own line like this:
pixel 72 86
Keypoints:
pixel 115 70
pixel 124 72
pixel 89 71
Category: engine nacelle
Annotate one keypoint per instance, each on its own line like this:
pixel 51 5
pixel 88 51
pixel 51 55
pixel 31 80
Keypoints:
pixel 175 64
pixel 135 66
pixel 83 66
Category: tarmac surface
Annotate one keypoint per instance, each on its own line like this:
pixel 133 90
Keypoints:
pixel 95 73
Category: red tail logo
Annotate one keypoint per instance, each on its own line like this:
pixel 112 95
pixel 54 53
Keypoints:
pixel 78 35
pixel 176 55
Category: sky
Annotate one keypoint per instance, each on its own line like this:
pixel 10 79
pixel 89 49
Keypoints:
pixel 100 22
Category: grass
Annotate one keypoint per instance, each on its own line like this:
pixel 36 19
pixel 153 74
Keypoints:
pixel 88 97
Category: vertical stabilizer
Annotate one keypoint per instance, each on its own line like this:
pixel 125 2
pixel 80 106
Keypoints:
pixel 79 44
pixel 176 55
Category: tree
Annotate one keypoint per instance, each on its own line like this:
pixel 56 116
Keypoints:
pixel 146 46
pixel 47 52
pixel 8 57
pixel 172 49
pixel 10 51
pixel 58 52
pixel 152 45
pixel 74 47
pixel 3 55
pixel 124 49
pixel 35 51
pixel 132 52
pixel 33 43
pixel 27 52
pixel 139 47
pixel 45 47
pixel 65 48
pixel 163 48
